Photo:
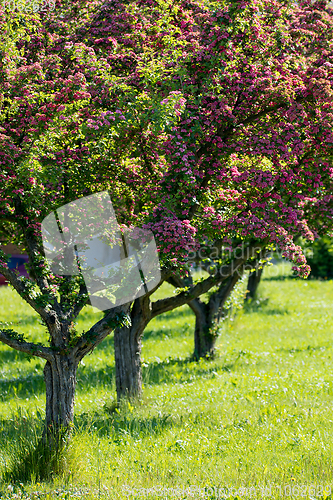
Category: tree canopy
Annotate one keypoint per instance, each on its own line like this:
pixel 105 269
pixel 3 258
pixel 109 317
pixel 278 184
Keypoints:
pixel 205 121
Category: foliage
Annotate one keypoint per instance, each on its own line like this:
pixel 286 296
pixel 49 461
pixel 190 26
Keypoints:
pixel 320 256
pixel 203 120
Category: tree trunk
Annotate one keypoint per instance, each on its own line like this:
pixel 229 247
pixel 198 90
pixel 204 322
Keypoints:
pixel 207 318
pixel 45 460
pixel 253 283
pixel 204 338
pixel 60 381
pixel 127 351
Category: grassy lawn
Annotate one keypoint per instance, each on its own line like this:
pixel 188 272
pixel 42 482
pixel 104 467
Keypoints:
pixel 259 416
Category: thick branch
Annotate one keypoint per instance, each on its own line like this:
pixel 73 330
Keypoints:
pixel 260 114
pixel 219 298
pixel 99 331
pixel 27 347
pixel 170 303
pixel 140 314
pixel 32 250
pixel 196 304
pixel 8 218
pixel 221 295
pixel 106 325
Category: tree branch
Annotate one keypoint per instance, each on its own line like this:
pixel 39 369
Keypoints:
pixel 8 218
pixel 196 304
pixel 32 249
pixel 12 339
pixel 80 303
pixel 89 340
pixel 170 303
pixel 113 319
pixel 260 114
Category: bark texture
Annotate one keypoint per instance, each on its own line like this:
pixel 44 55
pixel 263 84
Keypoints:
pixel 127 349
pixel 47 459
pixel 204 339
pixel 60 381
pixel 208 317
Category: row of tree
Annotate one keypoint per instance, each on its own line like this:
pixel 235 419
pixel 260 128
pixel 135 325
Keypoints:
pixel 209 124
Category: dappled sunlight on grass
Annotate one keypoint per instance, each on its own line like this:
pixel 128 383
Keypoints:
pixel 260 413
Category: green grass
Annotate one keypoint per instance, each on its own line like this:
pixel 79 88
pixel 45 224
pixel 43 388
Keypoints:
pixel 259 415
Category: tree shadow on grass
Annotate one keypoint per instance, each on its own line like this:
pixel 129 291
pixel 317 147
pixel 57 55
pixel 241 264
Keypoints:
pixel 27 320
pixel 88 377
pixel 11 356
pixel 309 349
pixel 118 427
pixel 163 333
pixel 260 305
pixel 183 370
pixel 29 455
pixel 275 311
pixel 19 424
pixel 160 333
pixel 169 370
pixel 176 313
pixel 22 387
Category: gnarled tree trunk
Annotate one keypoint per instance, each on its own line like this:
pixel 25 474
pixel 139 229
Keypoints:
pixel 208 316
pixel 60 381
pixel 127 351
pixel 45 459
pixel 204 338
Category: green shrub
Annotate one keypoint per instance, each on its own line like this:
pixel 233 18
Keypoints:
pixel 319 255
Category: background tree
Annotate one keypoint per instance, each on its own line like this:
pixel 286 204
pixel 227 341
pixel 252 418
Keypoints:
pixel 208 315
pixel 210 312
pixel 254 278
pixel 249 86
pixel 127 339
pixel 253 282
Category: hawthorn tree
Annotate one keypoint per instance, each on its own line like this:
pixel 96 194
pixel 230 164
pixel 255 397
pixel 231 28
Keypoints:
pixel 250 156
pixel 205 123
pixel 43 102
pixel 52 90
pixel 209 313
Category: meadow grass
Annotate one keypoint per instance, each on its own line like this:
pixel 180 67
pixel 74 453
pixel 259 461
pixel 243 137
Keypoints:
pixel 257 416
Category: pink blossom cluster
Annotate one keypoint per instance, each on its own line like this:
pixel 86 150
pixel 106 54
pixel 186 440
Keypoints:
pixel 248 155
